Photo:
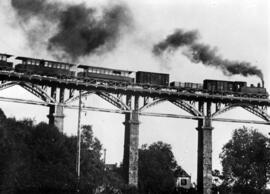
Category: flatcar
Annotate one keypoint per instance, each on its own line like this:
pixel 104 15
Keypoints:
pixel 4 63
pixel 44 68
pixel 147 79
pixel 104 75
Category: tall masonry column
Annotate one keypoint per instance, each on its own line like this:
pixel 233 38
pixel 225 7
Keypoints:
pixel 59 112
pixel 205 152
pixel 200 151
pixel 131 144
pixel 56 113
pixel 52 107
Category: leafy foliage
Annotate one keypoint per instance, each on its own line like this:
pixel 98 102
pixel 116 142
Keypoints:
pixel 156 168
pixel 246 161
pixel 39 159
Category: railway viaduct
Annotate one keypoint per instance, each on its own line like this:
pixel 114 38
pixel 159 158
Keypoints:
pixel 58 94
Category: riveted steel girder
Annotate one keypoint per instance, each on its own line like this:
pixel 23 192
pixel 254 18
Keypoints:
pixel 74 98
pixel 37 91
pixel 153 103
pixel 6 85
pixel 259 112
pixel 117 102
pixel 187 107
pixel 34 89
pixel 179 103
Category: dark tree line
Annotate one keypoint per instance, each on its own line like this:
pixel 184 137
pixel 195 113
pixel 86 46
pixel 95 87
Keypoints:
pixel 39 159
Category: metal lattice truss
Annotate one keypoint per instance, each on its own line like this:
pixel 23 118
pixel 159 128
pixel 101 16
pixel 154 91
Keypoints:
pixel 116 101
pixel 259 112
pixel 34 89
pixel 187 107
pixel 37 91
pixel 74 98
pixel 150 104
pixel 179 103
pixel 7 85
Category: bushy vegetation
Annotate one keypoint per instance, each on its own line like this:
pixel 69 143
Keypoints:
pixel 39 159
pixel 157 169
pixel 246 163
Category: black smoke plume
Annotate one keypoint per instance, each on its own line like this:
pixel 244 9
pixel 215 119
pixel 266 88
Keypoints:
pixel 177 39
pixel 41 8
pixel 81 30
pixel 203 53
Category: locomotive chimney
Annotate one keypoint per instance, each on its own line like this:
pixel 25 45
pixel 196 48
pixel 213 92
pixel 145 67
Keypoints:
pixel 262 83
pixel 258 85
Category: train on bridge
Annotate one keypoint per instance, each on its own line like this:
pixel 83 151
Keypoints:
pixel 109 76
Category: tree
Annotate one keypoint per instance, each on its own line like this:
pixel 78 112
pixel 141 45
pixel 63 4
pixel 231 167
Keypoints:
pixel 92 167
pixel 156 168
pixel 14 169
pixel 39 159
pixel 246 161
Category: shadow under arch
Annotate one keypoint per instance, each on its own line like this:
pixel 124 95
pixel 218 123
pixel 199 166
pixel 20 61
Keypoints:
pixel 179 103
pixel 104 95
pixel 259 112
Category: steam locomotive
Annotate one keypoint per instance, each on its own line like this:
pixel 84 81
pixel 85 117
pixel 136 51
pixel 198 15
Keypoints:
pixel 92 74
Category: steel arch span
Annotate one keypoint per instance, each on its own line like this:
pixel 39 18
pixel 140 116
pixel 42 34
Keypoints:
pixel 33 89
pixel 179 103
pixel 117 102
pixel 259 112
pixel 7 85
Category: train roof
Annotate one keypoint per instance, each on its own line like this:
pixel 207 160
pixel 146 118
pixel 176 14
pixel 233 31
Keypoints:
pixel 87 67
pixel 7 55
pixel 223 80
pixel 152 72
pixel 35 59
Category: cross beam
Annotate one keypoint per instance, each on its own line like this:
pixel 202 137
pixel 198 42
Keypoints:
pixel 90 108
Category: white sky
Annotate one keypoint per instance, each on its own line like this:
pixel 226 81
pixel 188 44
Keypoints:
pixel 240 30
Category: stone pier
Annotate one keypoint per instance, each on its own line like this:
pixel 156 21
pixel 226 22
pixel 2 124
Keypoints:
pixel 131 144
pixel 56 112
pixel 56 116
pixel 204 171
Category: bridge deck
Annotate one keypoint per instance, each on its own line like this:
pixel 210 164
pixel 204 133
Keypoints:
pixel 130 89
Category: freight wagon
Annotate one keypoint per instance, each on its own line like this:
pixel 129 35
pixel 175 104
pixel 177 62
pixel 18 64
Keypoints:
pixel 148 79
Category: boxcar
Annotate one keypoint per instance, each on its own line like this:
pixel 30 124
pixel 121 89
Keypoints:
pixel 218 86
pixel 152 79
pixel 4 64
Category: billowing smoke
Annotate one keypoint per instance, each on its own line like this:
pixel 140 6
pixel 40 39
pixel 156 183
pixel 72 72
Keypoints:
pixel 203 53
pixel 81 30
pixel 174 41
pixel 41 8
